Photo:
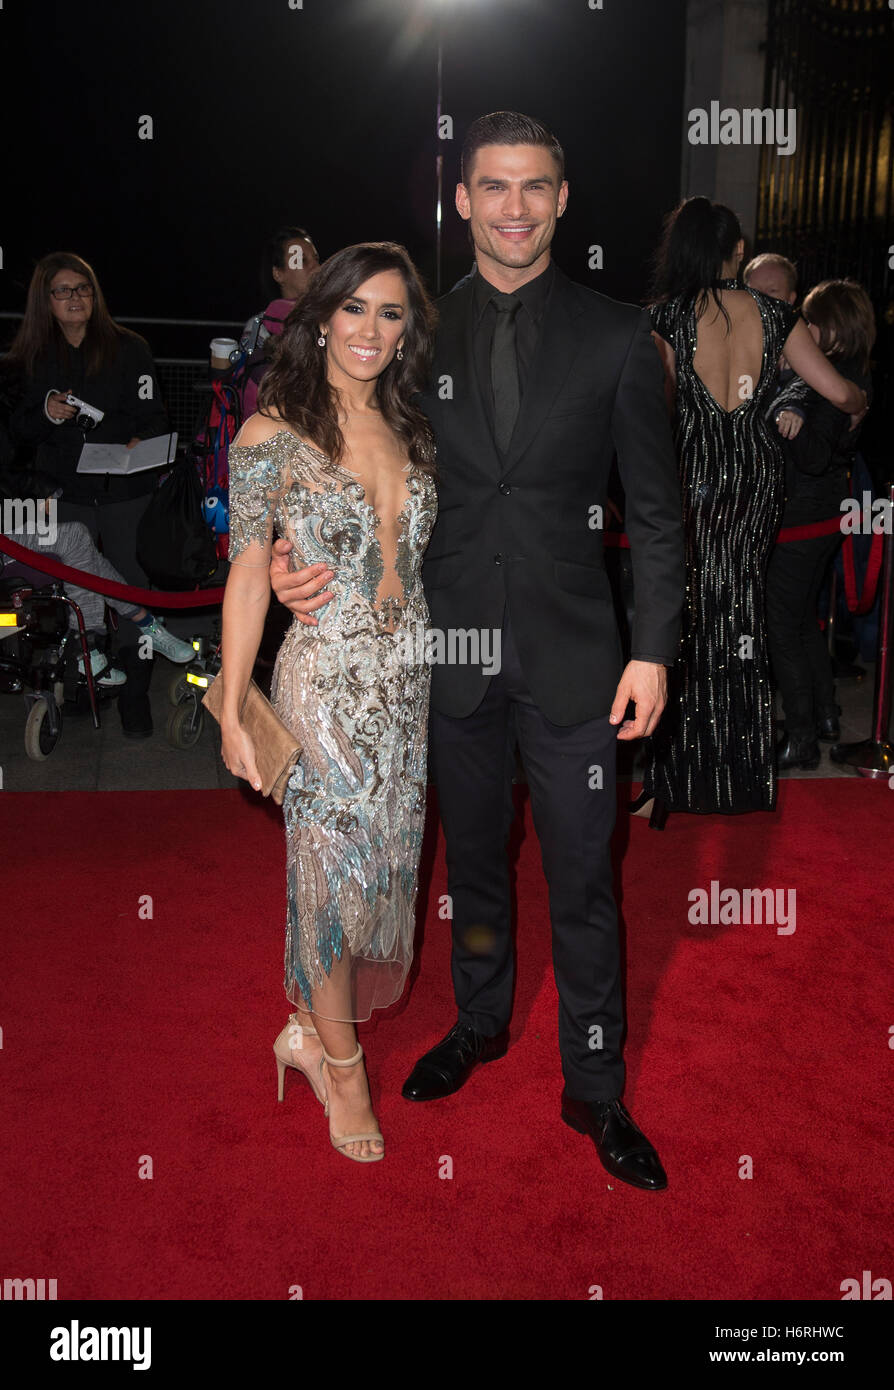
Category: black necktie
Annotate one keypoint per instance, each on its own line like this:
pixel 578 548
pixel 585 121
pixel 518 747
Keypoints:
pixel 504 368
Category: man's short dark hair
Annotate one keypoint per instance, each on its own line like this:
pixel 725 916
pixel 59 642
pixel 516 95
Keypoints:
pixel 508 128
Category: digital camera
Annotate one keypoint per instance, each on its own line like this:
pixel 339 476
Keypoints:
pixel 88 417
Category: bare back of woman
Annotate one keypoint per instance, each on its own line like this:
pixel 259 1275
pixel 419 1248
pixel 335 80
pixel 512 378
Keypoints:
pixel 729 357
pixel 713 750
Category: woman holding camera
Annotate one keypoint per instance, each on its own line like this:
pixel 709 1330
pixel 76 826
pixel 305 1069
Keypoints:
pixel 82 377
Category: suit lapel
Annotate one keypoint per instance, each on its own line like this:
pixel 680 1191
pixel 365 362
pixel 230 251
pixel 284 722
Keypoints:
pixel 455 358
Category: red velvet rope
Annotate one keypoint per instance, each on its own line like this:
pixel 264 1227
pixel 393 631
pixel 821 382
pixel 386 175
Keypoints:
pixel 810 531
pixel 856 605
pixel 864 602
pixel 205 598
pixel 618 540
pixel 149 598
pixel 791 533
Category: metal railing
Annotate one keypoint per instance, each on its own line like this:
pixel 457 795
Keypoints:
pixel 185 384
pixel 141 318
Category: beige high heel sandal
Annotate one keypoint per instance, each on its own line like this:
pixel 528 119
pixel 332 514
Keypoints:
pixel 339 1141
pixel 289 1056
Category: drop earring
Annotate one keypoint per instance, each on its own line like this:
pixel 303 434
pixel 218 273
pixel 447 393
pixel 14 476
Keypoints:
pixel 321 341
pixel 400 354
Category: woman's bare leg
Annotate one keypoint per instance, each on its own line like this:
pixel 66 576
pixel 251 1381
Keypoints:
pixel 350 1108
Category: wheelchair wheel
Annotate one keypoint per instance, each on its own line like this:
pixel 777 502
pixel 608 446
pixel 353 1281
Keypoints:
pixel 39 737
pixel 185 724
pixel 178 688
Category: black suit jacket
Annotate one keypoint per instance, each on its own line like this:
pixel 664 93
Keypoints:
pixel 518 528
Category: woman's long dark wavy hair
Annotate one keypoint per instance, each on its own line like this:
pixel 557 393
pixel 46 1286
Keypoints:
pixel 40 332
pixel 698 237
pixel 297 385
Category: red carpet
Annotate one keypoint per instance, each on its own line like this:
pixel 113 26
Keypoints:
pixel 125 1037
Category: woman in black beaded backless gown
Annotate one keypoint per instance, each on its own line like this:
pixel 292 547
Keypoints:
pixel 714 748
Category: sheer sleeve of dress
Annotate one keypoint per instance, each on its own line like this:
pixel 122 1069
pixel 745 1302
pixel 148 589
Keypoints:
pixel 260 476
pixel 664 319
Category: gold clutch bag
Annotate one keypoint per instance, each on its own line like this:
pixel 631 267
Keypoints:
pixel 276 749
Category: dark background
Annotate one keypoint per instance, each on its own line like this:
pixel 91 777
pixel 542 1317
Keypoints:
pixel 325 117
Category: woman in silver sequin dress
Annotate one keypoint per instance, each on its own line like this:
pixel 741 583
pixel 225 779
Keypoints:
pixel 715 748
pixel 340 463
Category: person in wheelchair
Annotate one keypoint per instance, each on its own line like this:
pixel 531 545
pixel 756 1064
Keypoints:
pixel 28 515
pixel 78 376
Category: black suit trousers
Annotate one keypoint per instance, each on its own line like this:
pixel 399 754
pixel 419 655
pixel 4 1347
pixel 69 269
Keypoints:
pixel 571 778
pixel 798 648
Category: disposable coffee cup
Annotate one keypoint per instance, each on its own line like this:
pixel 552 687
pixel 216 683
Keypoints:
pixel 220 353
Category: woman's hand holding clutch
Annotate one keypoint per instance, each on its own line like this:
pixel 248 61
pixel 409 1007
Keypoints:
pixel 238 753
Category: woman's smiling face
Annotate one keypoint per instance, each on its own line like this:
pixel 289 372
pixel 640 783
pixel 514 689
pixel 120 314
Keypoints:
pixel 366 331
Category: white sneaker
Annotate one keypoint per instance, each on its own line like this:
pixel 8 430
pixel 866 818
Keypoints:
pixel 103 673
pixel 164 643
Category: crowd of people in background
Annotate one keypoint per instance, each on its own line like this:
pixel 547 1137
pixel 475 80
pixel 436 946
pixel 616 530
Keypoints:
pixel 722 344
pixel 820 445
pixel 774 456
pixel 72 373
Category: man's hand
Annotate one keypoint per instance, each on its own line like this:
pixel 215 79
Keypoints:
pixel 299 590
pixel 645 683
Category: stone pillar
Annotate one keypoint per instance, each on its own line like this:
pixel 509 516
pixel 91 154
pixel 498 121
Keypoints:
pixel 724 62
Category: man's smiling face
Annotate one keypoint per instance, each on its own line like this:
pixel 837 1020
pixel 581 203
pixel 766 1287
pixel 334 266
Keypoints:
pixel 511 201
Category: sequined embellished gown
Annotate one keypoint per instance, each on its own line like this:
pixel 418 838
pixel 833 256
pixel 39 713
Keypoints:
pixel 356 696
pixel 713 749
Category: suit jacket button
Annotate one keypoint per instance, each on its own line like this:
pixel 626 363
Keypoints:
pixel 498 559
pixel 505 489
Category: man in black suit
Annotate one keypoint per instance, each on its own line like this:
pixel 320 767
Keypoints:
pixel 536 382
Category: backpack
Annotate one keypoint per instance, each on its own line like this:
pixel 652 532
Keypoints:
pixel 212 447
pixel 234 397
pixel 256 352
pixel 174 545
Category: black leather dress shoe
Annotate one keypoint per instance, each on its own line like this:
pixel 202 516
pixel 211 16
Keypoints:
pixel 798 752
pixel 450 1062
pixel 828 729
pixel 623 1149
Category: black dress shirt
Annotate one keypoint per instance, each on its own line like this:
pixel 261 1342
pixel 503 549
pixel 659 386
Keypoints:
pixel 533 296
